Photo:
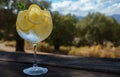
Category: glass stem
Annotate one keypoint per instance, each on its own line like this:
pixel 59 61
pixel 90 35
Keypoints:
pixel 35 55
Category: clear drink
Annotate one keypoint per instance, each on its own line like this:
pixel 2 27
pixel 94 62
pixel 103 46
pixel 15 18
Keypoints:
pixel 34 25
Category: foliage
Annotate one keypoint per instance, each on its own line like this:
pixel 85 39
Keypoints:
pixel 7 26
pixel 96 51
pixel 97 28
pixel 63 30
pixel 45 47
pixel 21 6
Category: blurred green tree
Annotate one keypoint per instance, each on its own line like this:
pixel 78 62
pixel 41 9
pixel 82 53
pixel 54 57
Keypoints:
pixel 63 30
pixel 97 28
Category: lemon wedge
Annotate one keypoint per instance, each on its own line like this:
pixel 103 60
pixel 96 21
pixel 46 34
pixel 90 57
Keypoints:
pixel 22 21
pixel 35 19
pixel 46 13
pixel 42 30
pixel 35 14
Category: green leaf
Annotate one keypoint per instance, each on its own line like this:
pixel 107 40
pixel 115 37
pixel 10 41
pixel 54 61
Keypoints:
pixel 21 6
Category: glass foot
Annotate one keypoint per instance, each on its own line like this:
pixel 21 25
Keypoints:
pixel 35 70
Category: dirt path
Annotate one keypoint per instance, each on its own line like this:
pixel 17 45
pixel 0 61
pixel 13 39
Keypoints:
pixel 12 49
pixel 6 48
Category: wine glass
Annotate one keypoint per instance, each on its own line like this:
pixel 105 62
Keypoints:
pixel 34 25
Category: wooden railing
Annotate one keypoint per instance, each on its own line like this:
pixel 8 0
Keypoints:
pixel 12 63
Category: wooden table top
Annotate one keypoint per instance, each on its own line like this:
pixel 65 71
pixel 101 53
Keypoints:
pixel 12 64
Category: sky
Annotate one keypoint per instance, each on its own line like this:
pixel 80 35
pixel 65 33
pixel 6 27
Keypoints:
pixel 83 7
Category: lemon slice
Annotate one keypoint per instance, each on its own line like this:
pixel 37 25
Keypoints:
pixel 22 21
pixel 33 6
pixel 46 13
pixel 47 17
pixel 35 14
pixel 42 30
